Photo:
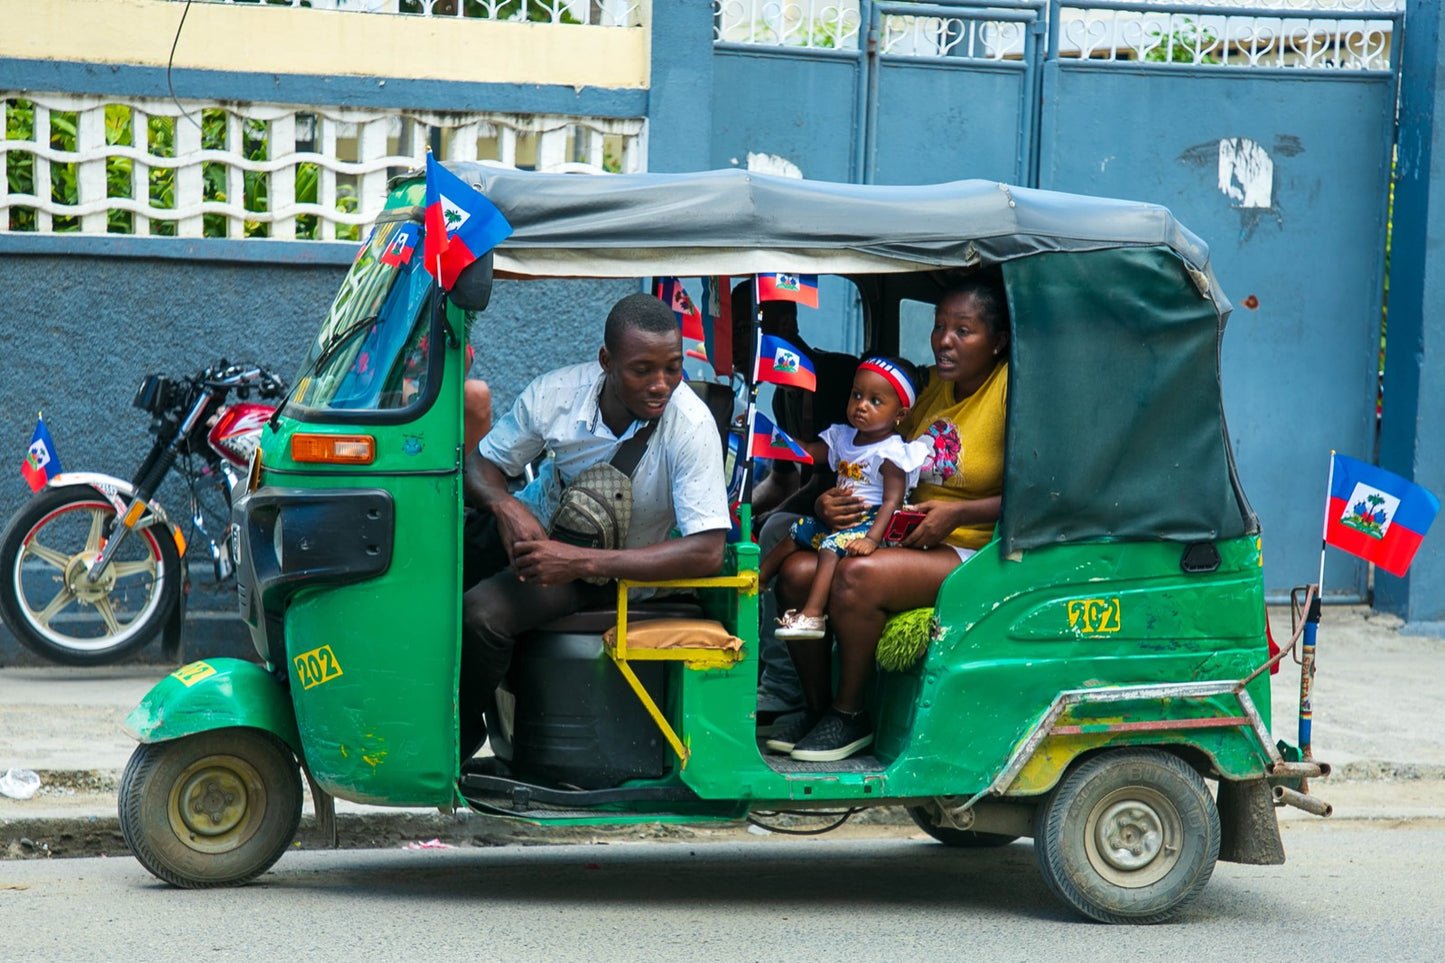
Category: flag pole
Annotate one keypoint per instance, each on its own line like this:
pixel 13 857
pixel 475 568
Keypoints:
pixel 1307 641
pixel 745 492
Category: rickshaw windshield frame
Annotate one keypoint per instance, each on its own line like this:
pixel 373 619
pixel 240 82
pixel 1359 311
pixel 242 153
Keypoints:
pixel 374 357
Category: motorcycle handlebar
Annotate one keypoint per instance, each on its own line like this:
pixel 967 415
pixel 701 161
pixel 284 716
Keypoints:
pixel 243 377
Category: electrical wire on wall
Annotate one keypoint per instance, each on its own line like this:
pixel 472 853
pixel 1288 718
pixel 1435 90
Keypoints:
pixel 170 62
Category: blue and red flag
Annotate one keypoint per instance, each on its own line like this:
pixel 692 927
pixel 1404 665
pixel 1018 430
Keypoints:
pixel 41 462
pixel 800 288
pixel 689 319
pixel 402 244
pixel 769 441
pixel 461 224
pixel 780 363
pixel 1377 515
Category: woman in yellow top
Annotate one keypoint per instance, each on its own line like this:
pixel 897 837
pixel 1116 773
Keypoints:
pixel 959 492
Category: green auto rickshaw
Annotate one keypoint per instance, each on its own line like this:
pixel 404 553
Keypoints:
pixel 1081 680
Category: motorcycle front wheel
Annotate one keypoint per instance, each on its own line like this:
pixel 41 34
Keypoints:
pixel 48 602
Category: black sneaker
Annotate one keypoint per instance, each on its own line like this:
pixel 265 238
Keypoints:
pixel 837 736
pixel 786 737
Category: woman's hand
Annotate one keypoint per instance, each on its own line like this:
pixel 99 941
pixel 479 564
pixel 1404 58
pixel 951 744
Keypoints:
pixel 839 508
pixel 940 518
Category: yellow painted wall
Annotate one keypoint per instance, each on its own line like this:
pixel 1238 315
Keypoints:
pixel 270 39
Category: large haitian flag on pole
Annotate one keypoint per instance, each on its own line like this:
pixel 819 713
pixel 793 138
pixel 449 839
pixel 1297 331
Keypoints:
pixel 1377 515
pixel 461 224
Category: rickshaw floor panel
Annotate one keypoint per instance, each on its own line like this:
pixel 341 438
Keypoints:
pixel 517 798
pixel 795 767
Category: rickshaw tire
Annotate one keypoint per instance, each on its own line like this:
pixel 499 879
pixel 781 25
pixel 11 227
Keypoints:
pixel 1159 825
pixel 13 610
pixel 960 838
pixel 243 787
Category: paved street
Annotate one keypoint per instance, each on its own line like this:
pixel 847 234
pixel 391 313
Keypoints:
pixel 1348 892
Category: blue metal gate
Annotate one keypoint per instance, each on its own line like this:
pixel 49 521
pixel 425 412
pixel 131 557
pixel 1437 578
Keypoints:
pixel 880 91
pixel 1268 132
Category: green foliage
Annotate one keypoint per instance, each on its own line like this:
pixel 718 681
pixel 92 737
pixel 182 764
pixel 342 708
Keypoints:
pixel 905 639
pixel 1179 45
pixel 19 165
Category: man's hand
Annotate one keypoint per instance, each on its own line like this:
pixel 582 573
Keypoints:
pixel 546 562
pixel 839 508
pixel 516 525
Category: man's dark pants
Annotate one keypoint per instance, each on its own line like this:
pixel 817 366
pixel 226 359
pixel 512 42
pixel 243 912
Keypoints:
pixel 497 610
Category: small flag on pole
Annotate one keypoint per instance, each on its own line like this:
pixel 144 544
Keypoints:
pixel 1377 515
pixel 780 363
pixel 689 319
pixel 461 224
pixel 41 462
pixel 800 288
pixel 769 441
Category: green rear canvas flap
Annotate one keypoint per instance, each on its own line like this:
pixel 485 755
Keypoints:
pixel 1115 424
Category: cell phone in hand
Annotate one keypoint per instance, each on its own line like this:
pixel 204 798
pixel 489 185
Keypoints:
pixel 900 524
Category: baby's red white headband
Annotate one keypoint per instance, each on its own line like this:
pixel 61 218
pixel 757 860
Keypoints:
pixel 895 376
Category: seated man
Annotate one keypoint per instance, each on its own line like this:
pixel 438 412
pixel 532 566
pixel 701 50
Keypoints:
pixel 582 414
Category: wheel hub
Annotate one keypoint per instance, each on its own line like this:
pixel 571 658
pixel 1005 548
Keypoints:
pixel 84 589
pixel 213 801
pixel 1129 835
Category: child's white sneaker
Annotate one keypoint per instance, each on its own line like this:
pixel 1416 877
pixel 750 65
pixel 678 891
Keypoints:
pixel 796 625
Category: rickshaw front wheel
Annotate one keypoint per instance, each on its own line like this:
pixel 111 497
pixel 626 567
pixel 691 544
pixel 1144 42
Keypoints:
pixel 1129 836
pixel 960 838
pixel 215 808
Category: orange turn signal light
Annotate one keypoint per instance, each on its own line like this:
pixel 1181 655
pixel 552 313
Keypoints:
pixel 333 449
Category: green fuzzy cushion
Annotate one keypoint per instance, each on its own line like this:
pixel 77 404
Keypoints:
pixel 905 639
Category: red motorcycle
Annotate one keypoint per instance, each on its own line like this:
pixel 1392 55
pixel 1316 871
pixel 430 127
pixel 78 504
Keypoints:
pixel 92 567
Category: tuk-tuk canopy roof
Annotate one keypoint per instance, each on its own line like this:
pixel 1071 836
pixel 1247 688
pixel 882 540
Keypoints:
pixel 735 222
pixel 1115 419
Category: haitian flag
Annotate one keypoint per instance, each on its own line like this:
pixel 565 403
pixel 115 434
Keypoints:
pixel 41 462
pixel 461 224
pixel 779 363
pixel 403 243
pixel 770 442
pixel 1377 515
pixel 801 288
pixel 689 319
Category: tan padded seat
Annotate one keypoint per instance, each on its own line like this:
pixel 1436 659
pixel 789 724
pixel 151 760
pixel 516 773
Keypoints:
pixel 676 634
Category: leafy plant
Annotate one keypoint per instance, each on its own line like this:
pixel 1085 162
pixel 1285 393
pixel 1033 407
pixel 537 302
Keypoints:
pixel 1189 43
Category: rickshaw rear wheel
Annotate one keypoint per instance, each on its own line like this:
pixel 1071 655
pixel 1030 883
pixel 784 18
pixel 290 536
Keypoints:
pixel 961 838
pixel 216 808
pixel 1129 836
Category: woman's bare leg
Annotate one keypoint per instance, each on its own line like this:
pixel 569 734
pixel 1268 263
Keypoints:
pixel 866 590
